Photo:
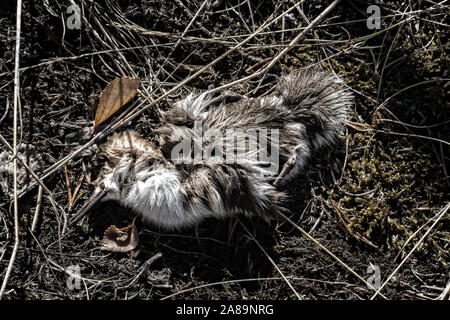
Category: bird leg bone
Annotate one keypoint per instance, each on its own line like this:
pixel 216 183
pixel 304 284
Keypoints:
pixel 294 166
pixel 288 166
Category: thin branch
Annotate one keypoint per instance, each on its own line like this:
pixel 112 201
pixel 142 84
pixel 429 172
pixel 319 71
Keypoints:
pixel 284 51
pixel 16 103
pixel 137 112
pixel 271 260
pixel 442 213
pixel 306 234
pixel 38 180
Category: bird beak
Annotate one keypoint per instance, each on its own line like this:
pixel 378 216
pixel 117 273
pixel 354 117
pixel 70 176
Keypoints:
pixel 87 206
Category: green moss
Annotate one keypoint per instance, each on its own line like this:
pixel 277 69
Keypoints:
pixel 404 180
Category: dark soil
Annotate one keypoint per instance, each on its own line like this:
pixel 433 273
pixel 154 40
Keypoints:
pixel 387 181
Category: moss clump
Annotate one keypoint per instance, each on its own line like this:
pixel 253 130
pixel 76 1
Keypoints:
pixel 390 190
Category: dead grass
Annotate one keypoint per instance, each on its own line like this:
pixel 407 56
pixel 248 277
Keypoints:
pixel 383 203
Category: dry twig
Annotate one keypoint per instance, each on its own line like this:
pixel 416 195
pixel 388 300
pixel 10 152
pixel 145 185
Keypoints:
pixel 16 104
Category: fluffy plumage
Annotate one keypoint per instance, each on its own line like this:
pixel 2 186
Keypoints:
pixel 176 189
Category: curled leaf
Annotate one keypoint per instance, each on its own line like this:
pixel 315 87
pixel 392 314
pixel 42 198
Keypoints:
pixel 116 94
pixel 120 240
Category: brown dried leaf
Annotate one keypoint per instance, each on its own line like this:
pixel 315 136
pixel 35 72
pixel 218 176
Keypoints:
pixel 116 94
pixel 120 240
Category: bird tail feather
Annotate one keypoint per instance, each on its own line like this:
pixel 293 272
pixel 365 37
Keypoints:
pixel 320 101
